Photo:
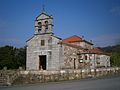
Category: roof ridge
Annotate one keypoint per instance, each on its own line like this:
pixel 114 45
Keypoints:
pixel 72 45
pixel 72 38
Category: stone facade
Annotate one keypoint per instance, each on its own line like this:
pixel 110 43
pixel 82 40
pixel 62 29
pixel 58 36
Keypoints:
pixel 95 60
pixel 85 55
pixel 49 52
pixel 70 57
pixel 43 50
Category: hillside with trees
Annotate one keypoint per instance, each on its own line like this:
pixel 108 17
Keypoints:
pixel 114 52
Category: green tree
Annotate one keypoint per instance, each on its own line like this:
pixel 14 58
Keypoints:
pixel 115 59
pixel 20 57
pixel 12 58
pixel 6 56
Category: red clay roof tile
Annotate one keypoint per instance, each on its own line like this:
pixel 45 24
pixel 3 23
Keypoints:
pixel 96 50
pixel 72 39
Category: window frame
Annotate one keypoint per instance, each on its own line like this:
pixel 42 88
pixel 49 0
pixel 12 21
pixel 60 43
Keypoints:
pixel 42 42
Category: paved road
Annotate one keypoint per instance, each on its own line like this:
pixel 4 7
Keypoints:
pixel 112 83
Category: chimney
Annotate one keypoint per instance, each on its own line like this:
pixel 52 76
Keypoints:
pixel 91 41
pixel 82 37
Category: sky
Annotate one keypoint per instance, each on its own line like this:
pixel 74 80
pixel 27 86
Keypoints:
pixel 96 20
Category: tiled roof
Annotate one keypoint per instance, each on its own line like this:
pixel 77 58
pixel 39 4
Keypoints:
pixel 72 39
pixel 75 38
pixel 72 45
pixel 96 50
pixel 69 41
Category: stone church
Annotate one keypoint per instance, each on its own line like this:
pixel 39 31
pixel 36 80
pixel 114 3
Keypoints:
pixel 46 51
pixel 43 49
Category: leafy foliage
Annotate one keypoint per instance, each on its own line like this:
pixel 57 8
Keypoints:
pixel 12 58
pixel 115 59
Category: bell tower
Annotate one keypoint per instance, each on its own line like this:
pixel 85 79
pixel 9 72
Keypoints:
pixel 43 23
pixel 43 50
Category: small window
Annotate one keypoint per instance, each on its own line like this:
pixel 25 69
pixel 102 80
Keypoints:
pixel 46 26
pixel 39 26
pixel 46 22
pixel 85 57
pixel 39 29
pixel 42 42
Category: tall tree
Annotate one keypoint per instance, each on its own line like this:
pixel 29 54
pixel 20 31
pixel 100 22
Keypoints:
pixel 12 58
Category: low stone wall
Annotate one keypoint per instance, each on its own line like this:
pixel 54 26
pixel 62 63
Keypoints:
pixel 51 76
pixel 30 77
pixel 7 77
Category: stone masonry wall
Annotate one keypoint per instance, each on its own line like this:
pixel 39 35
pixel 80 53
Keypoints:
pixel 70 54
pixel 50 49
pixel 31 77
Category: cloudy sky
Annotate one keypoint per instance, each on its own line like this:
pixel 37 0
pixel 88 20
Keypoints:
pixel 97 20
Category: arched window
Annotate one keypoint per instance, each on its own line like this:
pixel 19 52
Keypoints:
pixel 39 26
pixel 46 26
